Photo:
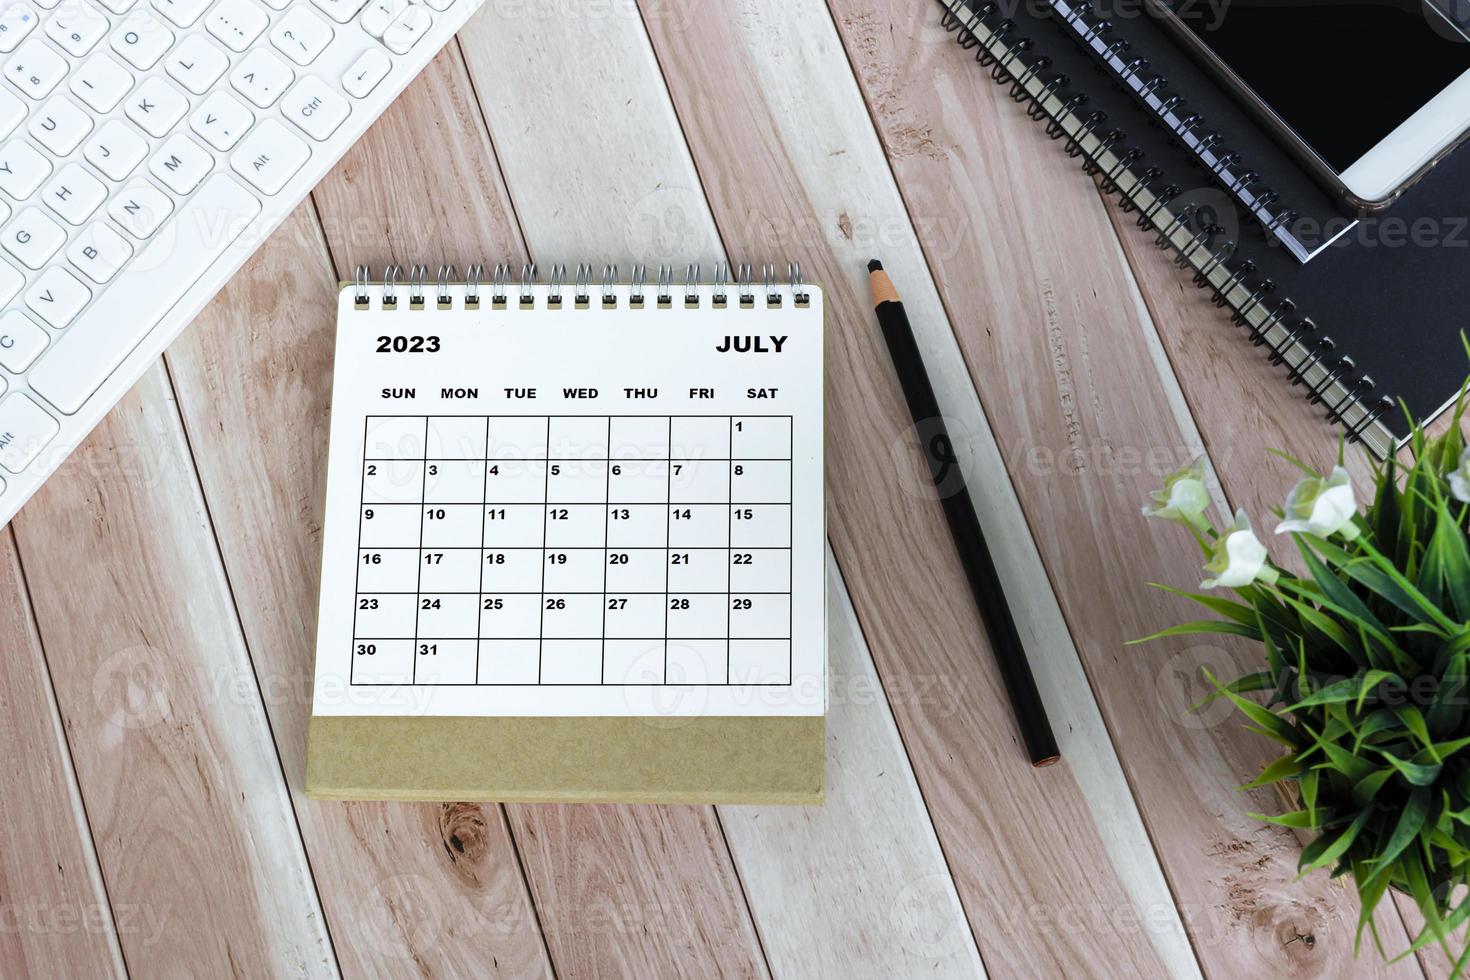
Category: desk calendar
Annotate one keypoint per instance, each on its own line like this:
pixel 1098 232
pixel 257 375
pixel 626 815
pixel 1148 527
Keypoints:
pixel 547 505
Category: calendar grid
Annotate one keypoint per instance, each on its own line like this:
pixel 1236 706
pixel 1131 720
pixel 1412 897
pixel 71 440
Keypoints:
pixel 729 538
pixel 668 544
pixel 728 480
pixel 357 566
pixel 480 565
pixel 607 496
pixel 419 565
pixel 541 605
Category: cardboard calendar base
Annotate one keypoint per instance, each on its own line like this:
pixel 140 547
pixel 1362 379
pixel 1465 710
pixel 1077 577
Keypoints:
pixel 567 760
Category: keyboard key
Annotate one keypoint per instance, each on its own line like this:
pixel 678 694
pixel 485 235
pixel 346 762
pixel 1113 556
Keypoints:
pixel 116 150
pixel 339 10
pixel 262 77
pixel 440 5
pixel 101 82
pixel 405 31
pixel 16 21
pixel 99 252
pixel 21 341
pixel 269 156
pixel 301 35
pixel 77 28
pixel 22 168
pixel 35 69
pixel 315 108
pixel 181 164
pixel 142 39
pixel 156 106
pixel 181 13
pixel 197 64
pixel 140 208
pixel 11 281
pixel 366 72
pixel 378 14
pixel 221 120
pixel 58 296
pixel 33 238
pixel 74 194
pixel 25 429
pixel 96 344
pixel 61 125
pixel 118 6
pixel 236 23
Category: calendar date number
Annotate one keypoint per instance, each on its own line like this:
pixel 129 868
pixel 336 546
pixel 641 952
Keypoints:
pixel 408 345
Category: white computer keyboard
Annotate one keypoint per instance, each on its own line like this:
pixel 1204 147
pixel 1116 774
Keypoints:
pixel 147 147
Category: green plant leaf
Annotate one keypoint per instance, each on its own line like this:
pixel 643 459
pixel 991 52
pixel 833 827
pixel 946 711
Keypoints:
pixel 1296 819
pixel 1228 608
pixel 1245 684
pixel 1339 595
pixel 1378 575
pixel 1411 820
pixel 1326 849
pixel 1365 789
pixel 1280 768
pixel 1203 626
pixel 1267 721
pixel 1414 773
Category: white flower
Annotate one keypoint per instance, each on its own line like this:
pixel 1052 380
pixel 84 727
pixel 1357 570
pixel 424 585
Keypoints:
pixel 1237 557
pixel 1183 498
pixel 1460 478
pixel 1322 507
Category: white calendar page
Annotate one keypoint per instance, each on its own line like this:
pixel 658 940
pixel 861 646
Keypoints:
pixel 610 512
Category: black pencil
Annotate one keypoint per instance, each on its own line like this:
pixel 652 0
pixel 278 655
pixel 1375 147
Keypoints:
pixel 949 483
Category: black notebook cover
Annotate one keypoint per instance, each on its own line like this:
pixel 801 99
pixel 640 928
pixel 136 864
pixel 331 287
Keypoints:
pixel 1373 320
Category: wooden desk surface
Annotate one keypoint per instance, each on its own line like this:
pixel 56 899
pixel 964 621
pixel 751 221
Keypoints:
pixel 157 598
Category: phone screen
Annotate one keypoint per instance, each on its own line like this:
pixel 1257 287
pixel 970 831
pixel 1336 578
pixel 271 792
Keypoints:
pixel 1343 75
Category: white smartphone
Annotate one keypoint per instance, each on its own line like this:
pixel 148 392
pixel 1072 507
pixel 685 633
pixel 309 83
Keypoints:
pixel 1368 94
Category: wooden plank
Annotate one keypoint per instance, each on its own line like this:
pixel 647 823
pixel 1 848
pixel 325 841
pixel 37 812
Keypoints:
pixel 829 144
pixel 54 914
pixel 1048 330
pixel 435 885
pixel 857 887
pixel 611 204
pixel 172 750
pixel 866 864
pixel 653 865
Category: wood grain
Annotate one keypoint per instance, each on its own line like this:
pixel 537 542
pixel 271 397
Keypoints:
pixel 173 753
pixel 826 887
pixel 857 887
pixel 435 886
pixel 54 914
pixel 956 725
pixel 430 152
pixel 1050 310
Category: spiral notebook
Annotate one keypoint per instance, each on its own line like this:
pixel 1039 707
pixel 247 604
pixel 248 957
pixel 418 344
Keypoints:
pixel 1372 322
pixel 574 544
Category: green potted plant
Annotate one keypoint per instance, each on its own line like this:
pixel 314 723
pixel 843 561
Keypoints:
pixel 1366 654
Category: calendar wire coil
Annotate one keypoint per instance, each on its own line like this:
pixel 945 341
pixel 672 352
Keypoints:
pixel 506 288
pixel 1291 338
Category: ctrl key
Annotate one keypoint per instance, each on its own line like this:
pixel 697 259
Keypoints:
pixel 25 430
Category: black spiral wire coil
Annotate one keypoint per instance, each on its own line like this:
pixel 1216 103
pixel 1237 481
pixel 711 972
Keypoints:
pixel 503 288
pixel 1139 77
pixel 1311 358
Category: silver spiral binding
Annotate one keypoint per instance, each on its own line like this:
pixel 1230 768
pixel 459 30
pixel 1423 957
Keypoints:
pixel 1292 339
pixel 1171 111
pixel 530 289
